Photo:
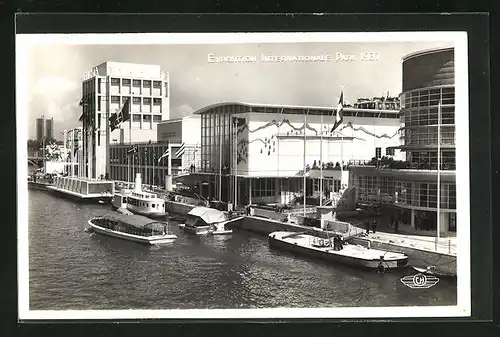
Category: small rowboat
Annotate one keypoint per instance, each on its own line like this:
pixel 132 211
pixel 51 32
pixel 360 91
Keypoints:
pixel 432 270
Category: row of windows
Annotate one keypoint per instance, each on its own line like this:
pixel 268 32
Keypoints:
pixel 424 194
pixel 388 152
pixel 139 203
pixel 426 116
pixel 135 100
pixel 135 83
pixel 428 160
pixel 428 135
pixel 329 185
pixel 420 194
pixel 428 97
pixel 135 118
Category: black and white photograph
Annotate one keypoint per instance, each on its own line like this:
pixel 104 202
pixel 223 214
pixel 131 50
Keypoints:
pixel 243 175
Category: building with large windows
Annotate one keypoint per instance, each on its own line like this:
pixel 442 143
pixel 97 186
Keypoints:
pixel 154 171
pixel 270 151
pixel 105 89
pixel 180 137
pixel 428 94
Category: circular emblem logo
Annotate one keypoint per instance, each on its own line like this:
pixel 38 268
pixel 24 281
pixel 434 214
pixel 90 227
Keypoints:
pixel 419 280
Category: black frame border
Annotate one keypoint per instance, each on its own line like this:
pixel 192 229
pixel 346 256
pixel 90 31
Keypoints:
pixel 477 26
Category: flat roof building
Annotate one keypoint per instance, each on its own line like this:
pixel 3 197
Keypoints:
pixel 180 136
pixel 105 89
pixel 267 149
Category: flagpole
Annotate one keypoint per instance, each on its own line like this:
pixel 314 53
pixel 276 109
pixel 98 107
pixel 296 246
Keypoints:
pixel 304 175
pixel 235 162
pixel 341 157
pixel 169 163
pixel 278 154
pixel 341 139
pixel 321 163
pixel 154 158
pixel 438 227
pixel 131 176
pixel 220 163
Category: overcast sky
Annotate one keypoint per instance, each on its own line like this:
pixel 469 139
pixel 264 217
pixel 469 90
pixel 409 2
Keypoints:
pixel 56 71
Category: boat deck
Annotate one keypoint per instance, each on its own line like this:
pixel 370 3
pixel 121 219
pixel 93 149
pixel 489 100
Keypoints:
pixel 349 250
pixel 81 195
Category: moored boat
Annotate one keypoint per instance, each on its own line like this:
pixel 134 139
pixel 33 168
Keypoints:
pixel 120 198
pixel 204 220
pixel 133 228
pixel 83 189
pixel 433 271
pixel 145 203
pixel 335 250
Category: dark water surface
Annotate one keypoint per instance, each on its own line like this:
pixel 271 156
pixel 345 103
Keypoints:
pixel 72 269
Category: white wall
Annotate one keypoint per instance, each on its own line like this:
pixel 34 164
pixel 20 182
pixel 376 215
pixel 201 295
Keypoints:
pixel 54 167
pixel 286 155
pixel 191 129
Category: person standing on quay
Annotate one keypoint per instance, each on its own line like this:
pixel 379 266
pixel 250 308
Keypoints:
pixel 374 226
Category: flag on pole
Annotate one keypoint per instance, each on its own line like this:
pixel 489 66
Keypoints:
pixel 181 151
pixel 121 116
pixel 83 102
pixel 132 151
pixel 339 117
pixel 165 154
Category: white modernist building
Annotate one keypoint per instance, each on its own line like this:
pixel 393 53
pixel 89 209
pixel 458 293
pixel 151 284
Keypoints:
pixel 73 143
pixel 187 131
pixel 105 89
pixel 270 151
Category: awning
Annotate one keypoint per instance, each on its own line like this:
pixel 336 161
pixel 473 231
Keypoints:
pixel 209 215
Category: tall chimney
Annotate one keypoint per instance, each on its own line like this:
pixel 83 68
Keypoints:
pixel 138 183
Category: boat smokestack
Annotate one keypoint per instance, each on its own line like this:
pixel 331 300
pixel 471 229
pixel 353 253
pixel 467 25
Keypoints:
pixel 138 182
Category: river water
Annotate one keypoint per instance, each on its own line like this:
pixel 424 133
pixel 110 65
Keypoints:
pixel 72 269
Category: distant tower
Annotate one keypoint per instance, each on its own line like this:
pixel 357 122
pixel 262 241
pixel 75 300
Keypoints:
pixel 49 128
pixel 40 128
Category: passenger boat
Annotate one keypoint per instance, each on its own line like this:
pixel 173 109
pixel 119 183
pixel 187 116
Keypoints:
pixel 204 220
pixel 133 228
pixel 336 251
pixel 145 203
pixel 120 198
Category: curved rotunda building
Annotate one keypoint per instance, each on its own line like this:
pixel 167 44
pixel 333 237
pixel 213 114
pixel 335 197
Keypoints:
pixel 428 93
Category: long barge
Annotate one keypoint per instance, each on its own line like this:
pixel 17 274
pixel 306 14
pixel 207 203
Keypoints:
pixel 335 250
pixel 84 189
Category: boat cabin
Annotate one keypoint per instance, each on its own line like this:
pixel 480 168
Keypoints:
pixel 147 200
pixel 204 216
pixel 132 224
